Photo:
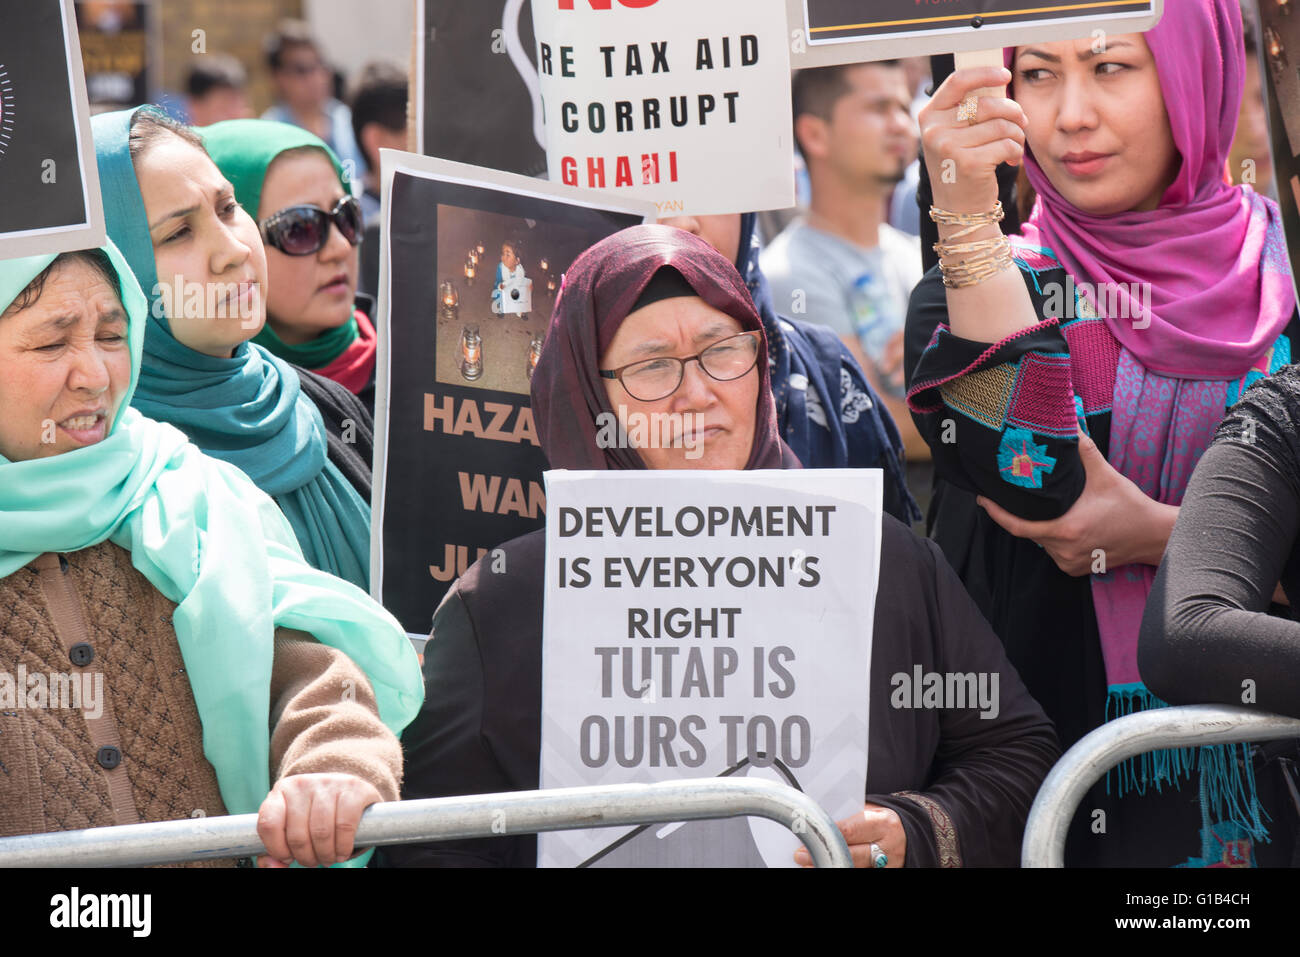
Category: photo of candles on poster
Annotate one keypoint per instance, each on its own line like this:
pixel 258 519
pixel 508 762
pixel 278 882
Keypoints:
pixel 473 262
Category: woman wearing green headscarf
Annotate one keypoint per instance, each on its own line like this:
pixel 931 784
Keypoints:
pixel 301 438
pixel 292 183
pixel 165 650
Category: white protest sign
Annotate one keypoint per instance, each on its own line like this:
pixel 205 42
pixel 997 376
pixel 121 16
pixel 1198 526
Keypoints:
pixel 700 624
pixel 683 103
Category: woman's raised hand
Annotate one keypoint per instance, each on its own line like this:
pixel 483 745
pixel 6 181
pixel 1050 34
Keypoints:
pixel 963 155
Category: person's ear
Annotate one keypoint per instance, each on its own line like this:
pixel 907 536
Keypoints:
pixel 813 135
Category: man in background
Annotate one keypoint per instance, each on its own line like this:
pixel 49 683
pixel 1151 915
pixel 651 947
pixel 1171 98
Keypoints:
pixel 303 84
pixel 378 122
pixel 841 264
pixel 216 89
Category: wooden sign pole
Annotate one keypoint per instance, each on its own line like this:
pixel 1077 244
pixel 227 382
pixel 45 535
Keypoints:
pixel 977 58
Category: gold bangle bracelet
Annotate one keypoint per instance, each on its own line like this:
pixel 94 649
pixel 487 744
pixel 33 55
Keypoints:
pixel 944 218
pixel 991 258
pixel 957 249
pixel 973 222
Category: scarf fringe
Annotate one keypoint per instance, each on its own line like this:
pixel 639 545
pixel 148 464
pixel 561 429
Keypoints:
pixel 1228 790
pixel 1169 766
pixel 1227 777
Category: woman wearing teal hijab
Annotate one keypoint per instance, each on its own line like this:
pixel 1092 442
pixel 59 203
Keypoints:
pixel 302 439
pixel 223 659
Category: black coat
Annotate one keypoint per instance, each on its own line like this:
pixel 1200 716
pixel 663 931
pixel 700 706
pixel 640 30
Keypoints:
pixel 350 430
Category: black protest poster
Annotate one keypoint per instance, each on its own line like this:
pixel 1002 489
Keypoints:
pixel 473 271
pixel 48 183
pixel 862 19
pixel 1279 57
pixel 115 50
pixel 477 88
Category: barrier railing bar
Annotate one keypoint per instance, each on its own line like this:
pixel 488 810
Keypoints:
pixel 1102 749
pixel 444 819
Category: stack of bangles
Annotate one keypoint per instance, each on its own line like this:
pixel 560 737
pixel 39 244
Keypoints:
pixel 979 260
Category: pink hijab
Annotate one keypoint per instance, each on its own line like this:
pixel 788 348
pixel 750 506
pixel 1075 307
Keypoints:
pixel 1214 254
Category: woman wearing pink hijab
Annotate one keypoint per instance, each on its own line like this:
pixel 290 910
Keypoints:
pixel 1068 379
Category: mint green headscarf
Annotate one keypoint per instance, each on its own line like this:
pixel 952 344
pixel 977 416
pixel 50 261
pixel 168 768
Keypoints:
pixel 208 539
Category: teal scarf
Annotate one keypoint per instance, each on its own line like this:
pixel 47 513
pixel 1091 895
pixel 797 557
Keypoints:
pixel 247 410
pixel 207 539
pixel 316 354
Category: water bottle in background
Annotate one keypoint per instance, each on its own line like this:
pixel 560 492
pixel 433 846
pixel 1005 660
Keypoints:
pixel 876 320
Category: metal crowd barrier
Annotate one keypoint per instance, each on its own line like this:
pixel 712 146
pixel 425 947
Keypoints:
pixel 445 819
pixel 1102 749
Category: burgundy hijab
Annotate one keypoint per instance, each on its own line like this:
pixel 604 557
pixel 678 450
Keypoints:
pixel 600 289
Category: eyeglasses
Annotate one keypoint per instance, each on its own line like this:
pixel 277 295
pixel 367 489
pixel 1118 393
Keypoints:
pixel 304 230
pixel 652 379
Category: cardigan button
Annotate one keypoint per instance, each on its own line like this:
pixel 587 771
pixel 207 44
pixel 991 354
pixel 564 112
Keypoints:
pixel 109 757
pixel 81 654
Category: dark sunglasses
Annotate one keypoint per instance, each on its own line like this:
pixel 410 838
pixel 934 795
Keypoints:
pixel 304 230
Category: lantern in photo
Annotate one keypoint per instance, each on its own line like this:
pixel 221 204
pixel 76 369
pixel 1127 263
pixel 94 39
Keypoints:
pixel 471 353
pixel 448 300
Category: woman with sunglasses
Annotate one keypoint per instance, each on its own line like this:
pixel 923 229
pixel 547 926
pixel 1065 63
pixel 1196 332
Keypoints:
pixel 655 321
pixel 301 438
pixel 292 183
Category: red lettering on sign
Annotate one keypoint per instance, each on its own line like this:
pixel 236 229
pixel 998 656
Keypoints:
pixel 605 4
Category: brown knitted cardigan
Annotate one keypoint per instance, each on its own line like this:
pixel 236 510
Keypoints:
pixel 55 773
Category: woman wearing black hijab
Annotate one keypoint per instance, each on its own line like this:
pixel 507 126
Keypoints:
pixel 945 787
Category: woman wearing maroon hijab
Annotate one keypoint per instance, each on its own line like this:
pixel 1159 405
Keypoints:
pixel 944 787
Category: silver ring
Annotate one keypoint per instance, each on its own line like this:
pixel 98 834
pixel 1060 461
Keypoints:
pixel 878 857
